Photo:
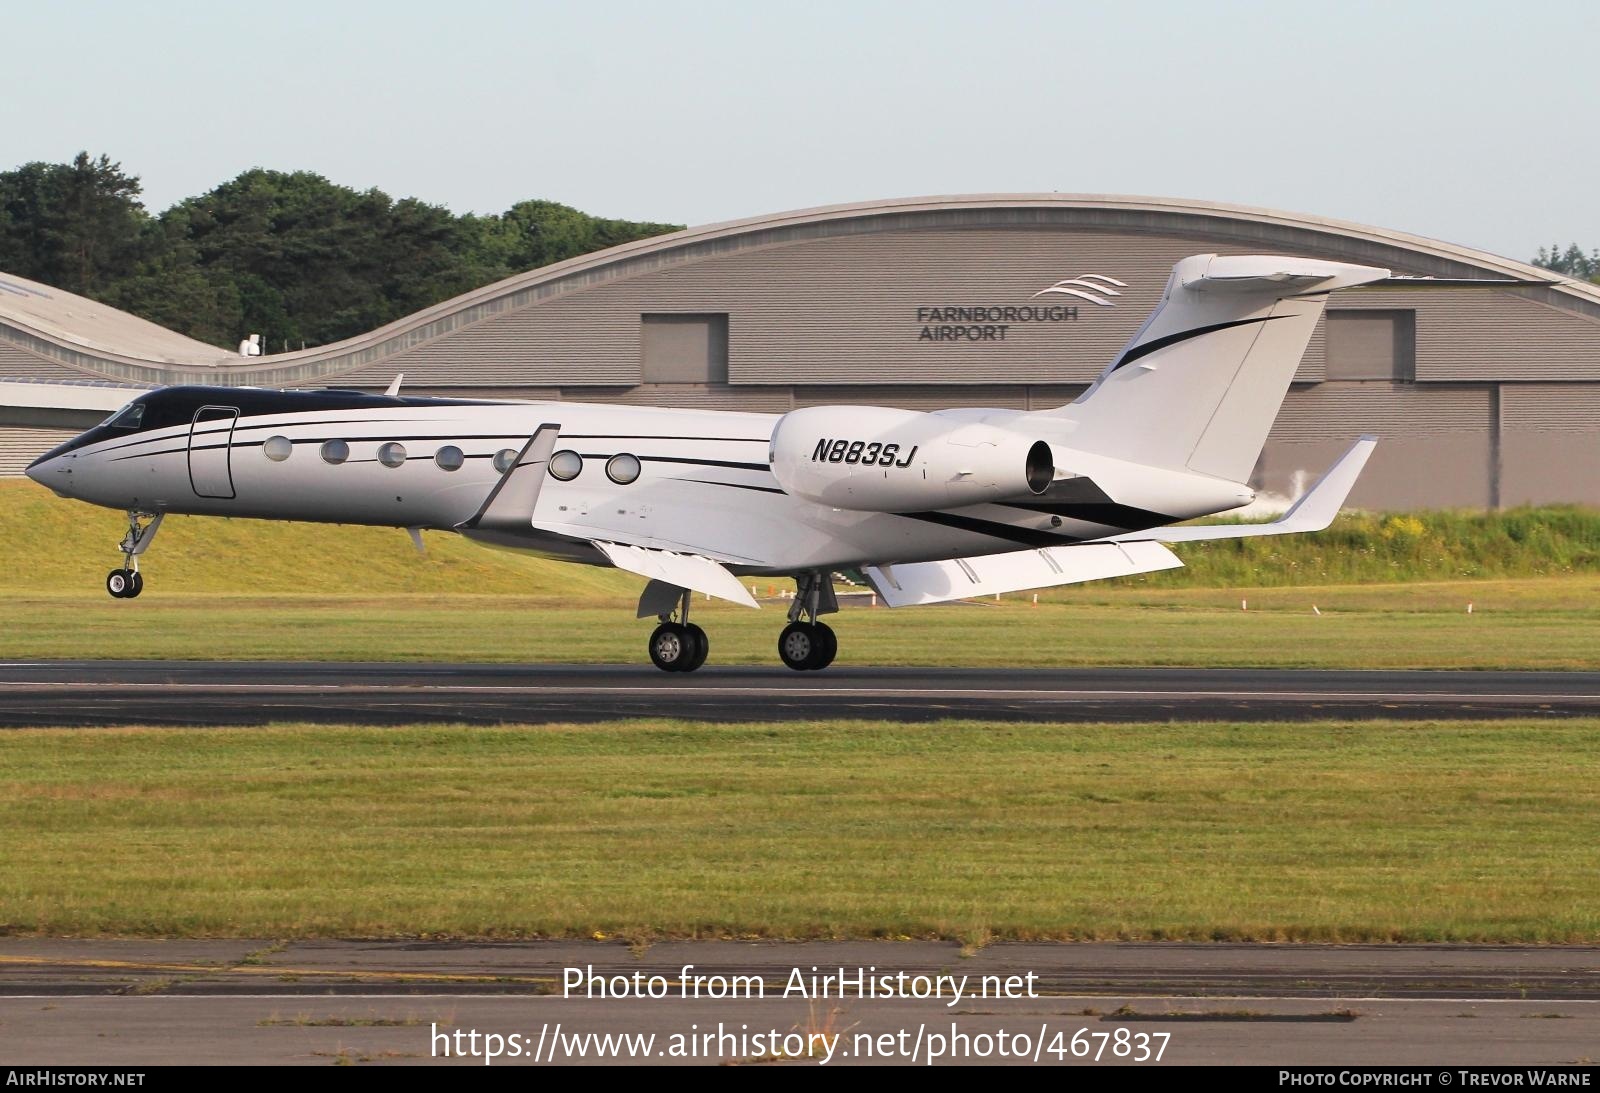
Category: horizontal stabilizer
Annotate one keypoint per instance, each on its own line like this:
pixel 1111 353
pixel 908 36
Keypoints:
pixel 689 571
pixel 1409 282
pixel 1313 512
pixel 1275 275
pixel 963 578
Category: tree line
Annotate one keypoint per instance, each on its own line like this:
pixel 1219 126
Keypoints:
pixel 1572 262
pixel 288 255
pixel 299 259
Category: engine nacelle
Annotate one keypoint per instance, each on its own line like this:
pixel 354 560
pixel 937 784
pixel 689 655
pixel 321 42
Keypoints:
pixel 876 459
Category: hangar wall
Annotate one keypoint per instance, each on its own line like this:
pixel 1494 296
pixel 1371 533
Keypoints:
pixel 1481 397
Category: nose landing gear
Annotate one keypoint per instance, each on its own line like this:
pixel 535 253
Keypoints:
pixel 128 582
pixel 810 646
pixel 678 645
pixel 124 584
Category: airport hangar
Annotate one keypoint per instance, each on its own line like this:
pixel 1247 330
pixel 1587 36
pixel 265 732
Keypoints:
pixel 1483 398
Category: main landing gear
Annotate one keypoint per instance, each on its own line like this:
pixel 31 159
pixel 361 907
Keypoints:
pixel 678 645
pixel 810 646
pixel 806 645
pixel 128 582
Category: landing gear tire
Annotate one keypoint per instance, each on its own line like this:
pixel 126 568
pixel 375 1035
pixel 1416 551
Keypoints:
pixel 119 582
pixel 827 647
pixel 675 647
pixel 136 585
pixel 807 646
pixel 702 647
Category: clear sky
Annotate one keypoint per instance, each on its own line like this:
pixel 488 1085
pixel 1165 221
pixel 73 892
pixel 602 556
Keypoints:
pixel 1473 122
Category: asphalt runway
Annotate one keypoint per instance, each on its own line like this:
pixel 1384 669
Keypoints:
pixel 197 693
pixel 88 1002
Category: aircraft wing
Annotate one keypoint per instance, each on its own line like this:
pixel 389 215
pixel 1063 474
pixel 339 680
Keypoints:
pixel 1313 512
pixel 963 578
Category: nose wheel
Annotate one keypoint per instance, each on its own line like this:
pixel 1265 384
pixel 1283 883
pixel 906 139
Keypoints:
pixel 124 584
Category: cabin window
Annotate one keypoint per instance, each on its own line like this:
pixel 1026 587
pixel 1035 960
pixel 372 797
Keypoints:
pixel 565 465
pixel 335 451
pixel 392 454
pixel 449 458
pixel 277 448
pixel 505 459
pixel 622 469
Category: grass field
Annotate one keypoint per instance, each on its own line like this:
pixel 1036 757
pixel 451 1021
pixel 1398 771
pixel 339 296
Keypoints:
pixel 1549 623
pixel 1352 832
pixel 69 546
pixel 242 589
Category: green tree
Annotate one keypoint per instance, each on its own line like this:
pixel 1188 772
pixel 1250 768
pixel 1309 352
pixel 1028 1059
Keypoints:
pixel 74 225
pixel 1572 262
pixel 289 255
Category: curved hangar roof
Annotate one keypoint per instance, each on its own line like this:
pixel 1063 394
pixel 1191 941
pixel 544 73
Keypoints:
pixel 53 335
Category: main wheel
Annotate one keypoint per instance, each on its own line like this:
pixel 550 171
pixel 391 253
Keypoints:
pixel 672 647
pixel 827 647
pixel 799 645
pixel 135 584
pixel 702 647
pixel 118 582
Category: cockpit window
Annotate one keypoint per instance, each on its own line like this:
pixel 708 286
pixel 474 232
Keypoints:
pixel 127 418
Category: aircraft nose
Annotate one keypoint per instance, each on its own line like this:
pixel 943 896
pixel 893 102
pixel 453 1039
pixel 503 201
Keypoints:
pixel 44 470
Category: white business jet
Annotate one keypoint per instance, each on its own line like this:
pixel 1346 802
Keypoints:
pixel 927 506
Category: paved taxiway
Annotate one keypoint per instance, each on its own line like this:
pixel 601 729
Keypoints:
pixel 249 693
pixel 133 1002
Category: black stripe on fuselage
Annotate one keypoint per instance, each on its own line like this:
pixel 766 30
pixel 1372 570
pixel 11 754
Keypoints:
pixel 685 460
pixel 1029 537
pixel 1157 344
pixel 191 447
pixel 664 436
pixel 1107 514
pixel 226 425
pixel 734 485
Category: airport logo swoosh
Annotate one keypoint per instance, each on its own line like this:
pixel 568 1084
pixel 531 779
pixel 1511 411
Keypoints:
pixel 1093 287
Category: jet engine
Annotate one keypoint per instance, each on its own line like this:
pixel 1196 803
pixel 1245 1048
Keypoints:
pixel 877 459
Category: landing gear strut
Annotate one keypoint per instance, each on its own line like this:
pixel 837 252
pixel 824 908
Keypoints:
pixel 807 645
pixel 678 645
pixel 128 582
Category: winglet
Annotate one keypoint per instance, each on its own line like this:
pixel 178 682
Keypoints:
pixel 393 390
pixel 511 503
pixel 1321 503
pixel 1313 512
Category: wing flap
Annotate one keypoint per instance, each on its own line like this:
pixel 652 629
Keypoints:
pixel 596 533
pixel 691 571
pixel 962 578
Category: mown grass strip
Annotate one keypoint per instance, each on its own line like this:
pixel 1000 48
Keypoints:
pixel 1349 832
pixel 1547 623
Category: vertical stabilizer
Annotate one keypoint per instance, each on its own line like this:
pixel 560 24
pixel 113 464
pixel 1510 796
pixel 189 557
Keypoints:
pixel 1199 385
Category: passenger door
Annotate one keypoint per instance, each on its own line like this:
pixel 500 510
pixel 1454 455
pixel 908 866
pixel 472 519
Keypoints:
pixel 210 451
